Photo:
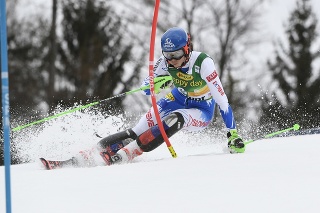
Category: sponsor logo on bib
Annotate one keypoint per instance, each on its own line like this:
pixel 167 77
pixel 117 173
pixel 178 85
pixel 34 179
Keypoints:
pixel 184 76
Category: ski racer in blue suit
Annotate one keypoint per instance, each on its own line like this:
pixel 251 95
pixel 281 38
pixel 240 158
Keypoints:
pixel 189 106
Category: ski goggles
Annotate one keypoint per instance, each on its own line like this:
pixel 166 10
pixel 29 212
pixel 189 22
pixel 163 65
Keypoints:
pixel 173 55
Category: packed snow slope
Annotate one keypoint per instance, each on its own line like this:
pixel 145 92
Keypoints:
pixel 273 175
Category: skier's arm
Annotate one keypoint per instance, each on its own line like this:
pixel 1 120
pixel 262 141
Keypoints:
pixel 209 74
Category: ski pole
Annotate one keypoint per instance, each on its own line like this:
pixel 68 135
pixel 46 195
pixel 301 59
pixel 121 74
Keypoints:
pixel 158 83
pixel 294 127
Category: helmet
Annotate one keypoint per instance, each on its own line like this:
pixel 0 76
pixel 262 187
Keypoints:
pixel 174 39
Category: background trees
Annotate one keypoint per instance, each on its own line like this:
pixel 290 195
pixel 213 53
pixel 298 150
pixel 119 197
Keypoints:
pixel 77 59
pixel 26 51
pixel 92 52
pixel 295 94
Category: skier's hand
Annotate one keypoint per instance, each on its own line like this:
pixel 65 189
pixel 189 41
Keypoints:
pixel 235 142
pixel 162 82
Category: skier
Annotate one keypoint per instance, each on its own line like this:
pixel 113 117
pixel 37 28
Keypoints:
pixel 189 105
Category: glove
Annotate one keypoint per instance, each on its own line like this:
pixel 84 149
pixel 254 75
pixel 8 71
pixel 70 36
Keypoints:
pixel 167 82
pixel 160 82
pixel 235 143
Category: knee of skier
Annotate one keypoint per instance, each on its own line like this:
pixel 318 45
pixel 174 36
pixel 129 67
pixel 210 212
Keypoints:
pixel 152 138
pixel 175 121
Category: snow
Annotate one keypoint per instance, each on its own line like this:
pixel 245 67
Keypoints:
pixel 273 175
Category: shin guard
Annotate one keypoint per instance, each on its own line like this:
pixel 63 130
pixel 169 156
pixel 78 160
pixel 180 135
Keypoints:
pixel 113 143
pixel 152 138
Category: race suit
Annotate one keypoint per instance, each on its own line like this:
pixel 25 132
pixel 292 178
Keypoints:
pixel 197 88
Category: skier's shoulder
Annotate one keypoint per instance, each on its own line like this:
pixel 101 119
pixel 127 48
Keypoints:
pixel 160 66
pixel 160 62
pixel 197 54
pixel 201 57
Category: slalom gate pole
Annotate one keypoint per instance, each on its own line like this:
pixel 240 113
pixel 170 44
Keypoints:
pixel 294 127
pixel 151 79
pixel 158 81
pixel 5 102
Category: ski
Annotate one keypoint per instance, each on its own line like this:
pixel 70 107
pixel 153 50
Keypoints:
pixel 54 164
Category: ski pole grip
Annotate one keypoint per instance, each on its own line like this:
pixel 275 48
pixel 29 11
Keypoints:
pixel 296 127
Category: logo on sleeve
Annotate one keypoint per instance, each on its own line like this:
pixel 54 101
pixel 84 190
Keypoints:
pixel 212 76
pixel 219 88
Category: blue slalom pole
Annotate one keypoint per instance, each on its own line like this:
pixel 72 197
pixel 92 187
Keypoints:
pixel 5 102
